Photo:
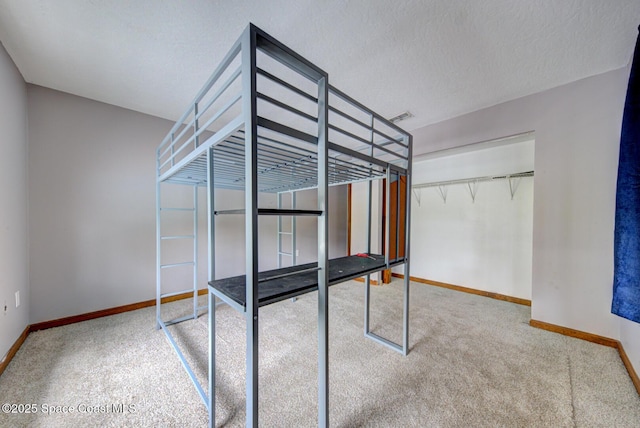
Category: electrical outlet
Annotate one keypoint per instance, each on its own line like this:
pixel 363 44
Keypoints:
pixel 17 298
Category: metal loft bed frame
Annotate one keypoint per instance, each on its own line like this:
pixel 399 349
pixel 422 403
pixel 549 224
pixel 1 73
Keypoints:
pixel 268 121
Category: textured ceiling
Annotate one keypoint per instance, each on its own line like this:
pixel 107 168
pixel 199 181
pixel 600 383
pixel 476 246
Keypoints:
pixel 438 58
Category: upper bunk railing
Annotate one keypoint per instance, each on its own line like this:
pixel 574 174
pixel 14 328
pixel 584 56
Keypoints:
pixel 362 144
pixel 216 107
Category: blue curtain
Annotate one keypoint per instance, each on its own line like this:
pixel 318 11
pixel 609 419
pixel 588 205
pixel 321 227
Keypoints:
pixel 626 281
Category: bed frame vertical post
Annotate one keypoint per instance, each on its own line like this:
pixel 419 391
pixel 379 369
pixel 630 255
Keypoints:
pixel 211 300
pixel 294 247
pixel 407 270
pixel 396 256
pixel 387 239
pixel 323 249
pixel 367 281
pixel 158 249
pixel 195 251
pixel 249 108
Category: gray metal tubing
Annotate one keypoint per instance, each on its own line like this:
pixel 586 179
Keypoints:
pixel 211 223
pixel 264 141
pixel 397 255
pixel 232 303
pixel 171 265
pixel 184 362
pixel 348 117
pixel 285 84
pixel 293 230
pixel 158 257
pixel 196 134
pixel 286 130
pixel 221 90
pixel 219 113
pixel 363 157
pixel 288 57
pixel 304 164
pixel 348 134
pixel 264 159
pixel 375 115
pixel 396 347
pixel 211 276
pixel 216 138
pixel 390 152
pixel 387 241
pixel 195 125
pixel 211 402
pixel 390 140
pixel 323 247
pixel 249 109
pixel 407 270
pixel 286 107
pixel 267 153
pixel 367 281
pixel 178 320
pixel 279 241
pixel 367 303
pixel 228 59
pixel 195 251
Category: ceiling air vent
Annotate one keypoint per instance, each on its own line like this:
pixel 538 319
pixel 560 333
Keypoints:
pixel 402 116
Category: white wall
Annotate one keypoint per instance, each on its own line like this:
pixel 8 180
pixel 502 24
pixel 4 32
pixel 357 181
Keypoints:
pixel 92 216
pixel 484 244
pixel 92 204
pixel 13 203
pixel 577 132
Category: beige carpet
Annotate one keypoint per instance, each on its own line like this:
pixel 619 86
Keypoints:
pixel 474 361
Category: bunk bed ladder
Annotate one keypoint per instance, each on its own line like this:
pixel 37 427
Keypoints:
pixel 163 265
pixel 291 233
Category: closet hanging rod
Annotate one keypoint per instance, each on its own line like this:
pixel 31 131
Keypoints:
pixel 475 179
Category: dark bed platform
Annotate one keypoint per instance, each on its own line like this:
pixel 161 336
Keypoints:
pixel 281 284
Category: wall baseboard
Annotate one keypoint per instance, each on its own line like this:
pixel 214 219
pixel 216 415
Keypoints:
pixel 601 340
pixel 85 317
pixel 483 293
pixel 110 311
pixel 12 351
pixel 373 281
pixel 589 337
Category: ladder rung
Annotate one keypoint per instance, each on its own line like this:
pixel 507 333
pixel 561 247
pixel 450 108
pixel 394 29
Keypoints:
pixel 178 237
pixel 177 209
pixel 170 265
pixel 282 253
pixel 285 233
